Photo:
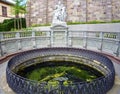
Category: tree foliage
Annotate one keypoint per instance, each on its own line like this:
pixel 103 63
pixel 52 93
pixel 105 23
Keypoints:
pixel 19 8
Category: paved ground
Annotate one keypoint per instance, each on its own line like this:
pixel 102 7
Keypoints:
pixel 4 88
pixel 116 87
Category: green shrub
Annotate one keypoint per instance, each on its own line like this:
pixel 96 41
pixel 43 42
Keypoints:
pixel 36 25
pixel 95 22
pixel 8 24
pixel 115 21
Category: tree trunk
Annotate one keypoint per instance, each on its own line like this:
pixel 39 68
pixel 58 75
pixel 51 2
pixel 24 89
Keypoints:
pixel 18 23
pixel 15 23
pixel 21 23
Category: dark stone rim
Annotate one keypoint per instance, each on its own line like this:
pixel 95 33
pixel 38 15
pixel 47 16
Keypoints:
pixel 22 85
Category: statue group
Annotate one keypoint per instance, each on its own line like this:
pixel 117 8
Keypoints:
pixel 59 13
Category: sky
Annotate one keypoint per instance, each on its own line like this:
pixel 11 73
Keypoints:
pixel 13 1
pixel 10 0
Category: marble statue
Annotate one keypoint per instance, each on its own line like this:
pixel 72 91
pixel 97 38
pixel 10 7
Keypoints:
pixel 59 14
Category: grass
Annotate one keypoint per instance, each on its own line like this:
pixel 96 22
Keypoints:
pixel 74 23
pixel 93 22
pixel 37 25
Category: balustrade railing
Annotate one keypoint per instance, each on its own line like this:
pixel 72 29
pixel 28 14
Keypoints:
pixel 11 42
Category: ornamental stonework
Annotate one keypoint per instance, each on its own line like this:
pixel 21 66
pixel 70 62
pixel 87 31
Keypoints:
pixel 41 11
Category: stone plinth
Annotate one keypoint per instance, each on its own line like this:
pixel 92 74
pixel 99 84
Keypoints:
pixel 59 35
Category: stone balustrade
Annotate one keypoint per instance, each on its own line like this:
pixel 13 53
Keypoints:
pixel 13 42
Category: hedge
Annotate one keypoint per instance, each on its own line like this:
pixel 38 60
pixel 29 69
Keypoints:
pixel 8 24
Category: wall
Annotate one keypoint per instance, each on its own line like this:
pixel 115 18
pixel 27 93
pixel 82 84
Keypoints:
pixel 41 11
pixel 9 11
pixel 116 9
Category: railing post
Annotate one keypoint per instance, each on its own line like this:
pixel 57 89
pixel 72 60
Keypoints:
pixel 19 44
pixel 66 37
pixel 1 36
pixel 69 39
pixel 0 43
pixel 51 38
pixel 33 33
pixel 85 39
pixel 101 37
pixel 17 35
pixel 117 53
pixel 49 35
pixel 33 39
pixel 3 48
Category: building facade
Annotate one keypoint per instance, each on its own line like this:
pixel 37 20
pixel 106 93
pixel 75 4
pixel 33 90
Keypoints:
pixel 41 11
pixel 5 10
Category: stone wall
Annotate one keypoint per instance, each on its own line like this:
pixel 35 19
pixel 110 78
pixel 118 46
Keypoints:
pixel 116 9
pixel 99 10
pixel 41 11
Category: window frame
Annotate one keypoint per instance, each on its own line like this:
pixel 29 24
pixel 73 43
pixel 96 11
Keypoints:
pixel 4 11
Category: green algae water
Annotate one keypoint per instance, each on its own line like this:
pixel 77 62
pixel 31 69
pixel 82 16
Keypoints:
pixel 51 70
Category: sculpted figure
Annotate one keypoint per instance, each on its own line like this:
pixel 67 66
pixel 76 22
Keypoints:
pixel 59 13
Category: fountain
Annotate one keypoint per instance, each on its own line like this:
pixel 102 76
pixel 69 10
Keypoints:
pixel 94 62
pixel 59 29
pixel 59 69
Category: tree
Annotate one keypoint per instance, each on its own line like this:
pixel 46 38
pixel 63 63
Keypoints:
pixel 19 8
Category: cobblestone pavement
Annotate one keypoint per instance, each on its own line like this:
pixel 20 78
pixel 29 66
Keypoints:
pixel 4 88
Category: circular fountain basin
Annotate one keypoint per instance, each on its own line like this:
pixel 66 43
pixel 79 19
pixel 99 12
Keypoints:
pixel 60 70
pixel 51 71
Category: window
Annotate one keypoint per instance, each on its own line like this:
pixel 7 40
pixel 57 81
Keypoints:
pixel 4 11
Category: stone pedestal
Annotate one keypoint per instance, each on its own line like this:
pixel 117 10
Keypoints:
pixel 59 35
pixel 59 23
